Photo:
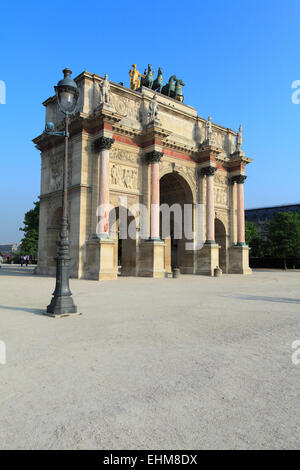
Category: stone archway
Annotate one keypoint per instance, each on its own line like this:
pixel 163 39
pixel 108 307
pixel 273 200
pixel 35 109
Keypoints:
pixel 176 195
pixel 221 239
pixel 122 229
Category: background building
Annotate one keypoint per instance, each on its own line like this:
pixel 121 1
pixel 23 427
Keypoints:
pixel 260 216
pixel 9 248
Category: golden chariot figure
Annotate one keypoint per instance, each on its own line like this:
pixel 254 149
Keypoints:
pixel 135 75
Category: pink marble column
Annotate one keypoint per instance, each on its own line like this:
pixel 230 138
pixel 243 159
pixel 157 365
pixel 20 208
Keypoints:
pixel 210 204
pixel 103 144
pixel 154 158
pixel 240 209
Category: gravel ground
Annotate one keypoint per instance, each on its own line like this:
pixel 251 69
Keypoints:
pixel 189 363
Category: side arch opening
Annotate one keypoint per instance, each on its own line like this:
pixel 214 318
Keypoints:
pixel 221 239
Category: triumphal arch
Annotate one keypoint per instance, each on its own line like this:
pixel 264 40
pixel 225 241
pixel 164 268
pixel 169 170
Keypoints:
pixel 133 153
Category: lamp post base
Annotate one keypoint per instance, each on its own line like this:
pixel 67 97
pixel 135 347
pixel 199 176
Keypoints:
pixel 61 306
pixel 62 302
pixel 63 315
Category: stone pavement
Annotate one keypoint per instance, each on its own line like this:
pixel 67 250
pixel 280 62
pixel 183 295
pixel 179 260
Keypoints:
pixel 189 363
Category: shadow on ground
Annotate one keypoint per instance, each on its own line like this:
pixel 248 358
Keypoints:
pixel 269 299
pixel 36 311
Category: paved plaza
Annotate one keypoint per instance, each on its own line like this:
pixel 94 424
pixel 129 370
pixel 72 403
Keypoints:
pixel 189 363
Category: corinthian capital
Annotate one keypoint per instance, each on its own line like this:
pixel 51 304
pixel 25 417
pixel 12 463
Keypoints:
pixel 208 170
pixel 103 143
pixel 239 179
pixel 153 156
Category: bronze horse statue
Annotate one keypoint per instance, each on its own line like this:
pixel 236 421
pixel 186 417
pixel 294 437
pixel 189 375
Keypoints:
pixel 158 82
pixel 169 88
pixel 173 88
pixel 147 79
pixel 178 90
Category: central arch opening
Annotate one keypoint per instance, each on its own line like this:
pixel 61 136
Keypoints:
pixel 174 190
pixel 122 227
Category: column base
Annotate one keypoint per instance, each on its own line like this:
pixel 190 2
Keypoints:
pixel 208 259
pixel 168 256
pixel 152 258
pixel 42 270
pixel 103 236
pixel 100 260
pixel 239 260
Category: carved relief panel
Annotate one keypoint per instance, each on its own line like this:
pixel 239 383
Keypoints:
pixel 123 176
pixel 124 170
pixel 127 107
pixel 221 196
pixel 221 188
pixel 57 172
pixel 123 155
pixel 221 179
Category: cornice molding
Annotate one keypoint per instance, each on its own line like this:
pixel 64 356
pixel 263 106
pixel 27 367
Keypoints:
pixel 120 129
pixel 75 187
pixel 238 157
pixel 156 131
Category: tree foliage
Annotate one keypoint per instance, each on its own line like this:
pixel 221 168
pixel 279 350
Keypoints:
pixel 29 243
pixel 283 235
pixel 254 241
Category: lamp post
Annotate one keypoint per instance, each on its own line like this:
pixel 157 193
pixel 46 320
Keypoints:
pixel 62 302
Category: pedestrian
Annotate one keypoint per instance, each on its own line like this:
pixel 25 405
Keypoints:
pixel 1 261
pixel 22 261
pixel 26 260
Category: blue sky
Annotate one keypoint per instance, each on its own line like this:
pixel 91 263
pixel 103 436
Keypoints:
pixel 238 59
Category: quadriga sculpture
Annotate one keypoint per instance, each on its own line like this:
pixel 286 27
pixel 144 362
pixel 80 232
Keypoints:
pixel 147 79
pixel 178 90
pixel 169 88
pixel 158 82
pixel 173 88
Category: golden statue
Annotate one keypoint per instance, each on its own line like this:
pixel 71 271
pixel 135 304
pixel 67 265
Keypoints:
pixel 135 75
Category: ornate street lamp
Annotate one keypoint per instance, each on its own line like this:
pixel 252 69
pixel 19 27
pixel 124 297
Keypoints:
pixel 62 302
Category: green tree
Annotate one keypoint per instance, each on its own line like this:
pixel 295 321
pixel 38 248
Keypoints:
pixel 283 235
pixel 29 243
pixel 253 240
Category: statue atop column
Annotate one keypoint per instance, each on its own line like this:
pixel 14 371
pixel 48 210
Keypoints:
pixel 153 118
pixel 209 139
pixel 239 140
pixel 105 93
